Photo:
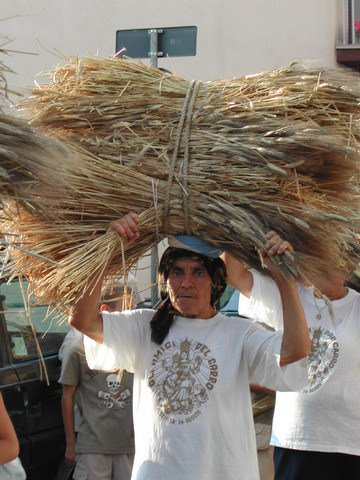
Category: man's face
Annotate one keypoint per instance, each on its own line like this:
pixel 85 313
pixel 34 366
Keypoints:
pixel 189 287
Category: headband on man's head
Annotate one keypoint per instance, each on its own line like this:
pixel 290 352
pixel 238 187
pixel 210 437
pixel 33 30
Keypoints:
pixel 194 244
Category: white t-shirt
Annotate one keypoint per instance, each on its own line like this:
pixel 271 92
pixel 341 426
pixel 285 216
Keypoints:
pixel 325 416
pixel 192 406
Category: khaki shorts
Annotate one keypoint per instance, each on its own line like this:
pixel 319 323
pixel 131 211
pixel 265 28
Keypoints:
pixel 265 451
pixel 95 466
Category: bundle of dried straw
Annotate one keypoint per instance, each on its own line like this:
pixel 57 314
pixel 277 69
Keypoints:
pixel 225 160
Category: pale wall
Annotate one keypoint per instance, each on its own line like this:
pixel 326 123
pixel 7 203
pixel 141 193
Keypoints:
pixel 235 37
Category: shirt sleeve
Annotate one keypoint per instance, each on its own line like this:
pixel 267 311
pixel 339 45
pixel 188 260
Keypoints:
pixel 70 368
pixel 262 350
pixel 125 334
pixel 264 305
pixel 70 337
pixel 99 356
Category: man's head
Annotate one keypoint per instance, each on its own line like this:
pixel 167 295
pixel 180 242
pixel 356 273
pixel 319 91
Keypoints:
pixel 191 281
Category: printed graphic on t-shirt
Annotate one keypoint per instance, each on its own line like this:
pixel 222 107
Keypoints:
pixel 323 357
pixel 115 395
pixel 182 376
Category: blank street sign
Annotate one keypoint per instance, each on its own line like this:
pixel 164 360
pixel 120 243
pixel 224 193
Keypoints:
pixel 172 42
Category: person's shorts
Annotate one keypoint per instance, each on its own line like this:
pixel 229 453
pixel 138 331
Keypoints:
pixel 264 451
pixel 304 465
pixel 93 466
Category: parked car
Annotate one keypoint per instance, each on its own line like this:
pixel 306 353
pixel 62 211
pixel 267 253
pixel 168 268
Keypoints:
pixel 30 337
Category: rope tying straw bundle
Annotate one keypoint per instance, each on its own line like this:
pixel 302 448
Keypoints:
pixel 182 138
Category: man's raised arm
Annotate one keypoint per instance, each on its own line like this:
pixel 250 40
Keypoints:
pixel 296 342
pixel 84 315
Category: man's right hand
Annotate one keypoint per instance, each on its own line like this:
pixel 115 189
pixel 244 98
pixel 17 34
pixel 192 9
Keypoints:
pixel 275 245
pixel 127 227
pixel 84 315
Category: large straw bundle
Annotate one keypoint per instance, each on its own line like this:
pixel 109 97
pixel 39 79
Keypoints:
pixel 226 160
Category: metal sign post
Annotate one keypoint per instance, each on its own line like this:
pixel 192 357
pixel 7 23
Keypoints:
pixel 154 53
pixel 153 43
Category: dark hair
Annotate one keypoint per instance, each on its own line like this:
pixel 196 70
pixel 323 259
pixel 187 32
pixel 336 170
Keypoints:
pixel 164 316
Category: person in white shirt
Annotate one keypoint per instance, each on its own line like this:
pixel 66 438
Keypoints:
pixel 315 431
pixel 192 366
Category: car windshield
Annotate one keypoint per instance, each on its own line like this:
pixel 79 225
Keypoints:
pixel 31 327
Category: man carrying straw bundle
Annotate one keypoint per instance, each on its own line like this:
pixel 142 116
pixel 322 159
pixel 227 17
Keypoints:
pixel 192 366
pixel 315 431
